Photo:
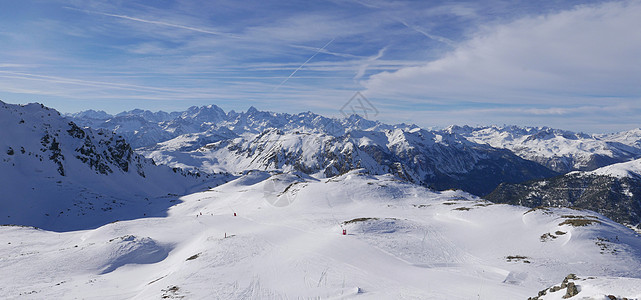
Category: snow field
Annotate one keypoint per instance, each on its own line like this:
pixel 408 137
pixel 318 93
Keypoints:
pixel 402 242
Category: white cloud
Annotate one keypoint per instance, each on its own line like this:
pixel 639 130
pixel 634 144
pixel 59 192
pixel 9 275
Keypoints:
pixel 575 56
pixel 609 117
pixel 367 62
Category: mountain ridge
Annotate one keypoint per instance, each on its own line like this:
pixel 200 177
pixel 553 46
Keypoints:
pixel 68 177
pixel 418 155
pixel 556 149
pixel 614 191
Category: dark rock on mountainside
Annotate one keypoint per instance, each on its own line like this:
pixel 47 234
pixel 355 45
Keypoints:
pixel 616 198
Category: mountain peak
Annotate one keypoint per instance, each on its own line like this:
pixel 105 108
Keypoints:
pixel 91 114
pixel 252 110
pixel 49 162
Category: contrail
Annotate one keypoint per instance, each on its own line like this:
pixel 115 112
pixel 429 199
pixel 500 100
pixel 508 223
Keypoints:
pixel 427 34
pixel 56 79
pixel 441 39
pixel 207 31
pixel 310 58
pixel 325 51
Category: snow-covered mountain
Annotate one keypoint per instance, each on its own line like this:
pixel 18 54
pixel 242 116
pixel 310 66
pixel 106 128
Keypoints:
pixel 207 139
pixel 159 116
pixel 90 115
pixel 559 150
pixel 318 208
pixel 630 169
pixel 146 128
pixel 279 236
pixel 614 191
pixel 57 175
pixel 474 159
pixel 441 161
pixel 629 137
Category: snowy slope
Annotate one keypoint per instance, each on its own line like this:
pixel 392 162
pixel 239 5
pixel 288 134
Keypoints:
pixel 57 175
pixel 621 170
pixel 403 242
pixel 560 150
pixel 590 287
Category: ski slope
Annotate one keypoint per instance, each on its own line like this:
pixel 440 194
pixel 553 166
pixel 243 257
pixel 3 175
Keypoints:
pixel 279 236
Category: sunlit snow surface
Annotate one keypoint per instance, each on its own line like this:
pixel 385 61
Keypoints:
pixel 557 149
pixel 58 176
pixel 285 242
pixel 621 170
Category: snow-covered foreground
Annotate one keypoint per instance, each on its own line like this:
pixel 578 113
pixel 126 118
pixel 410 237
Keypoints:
pixel 279 236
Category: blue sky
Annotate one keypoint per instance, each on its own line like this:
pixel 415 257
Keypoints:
pixel 566 64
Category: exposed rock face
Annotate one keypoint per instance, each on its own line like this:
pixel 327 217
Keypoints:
pixel 617 198
pixel 67 177
pixel 571 291
pixel 418 156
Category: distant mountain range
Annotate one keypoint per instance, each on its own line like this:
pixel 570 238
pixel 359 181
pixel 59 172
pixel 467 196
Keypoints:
pixel 560 150
pixel 528 165
pixel 208 139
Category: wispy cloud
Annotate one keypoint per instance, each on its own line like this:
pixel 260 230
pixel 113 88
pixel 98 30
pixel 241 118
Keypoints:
pixel 57 79
pixel 367 63
pixel 490 61
pixel 441 39
pixel 325 51
pixel 609 117
pixel 159 23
